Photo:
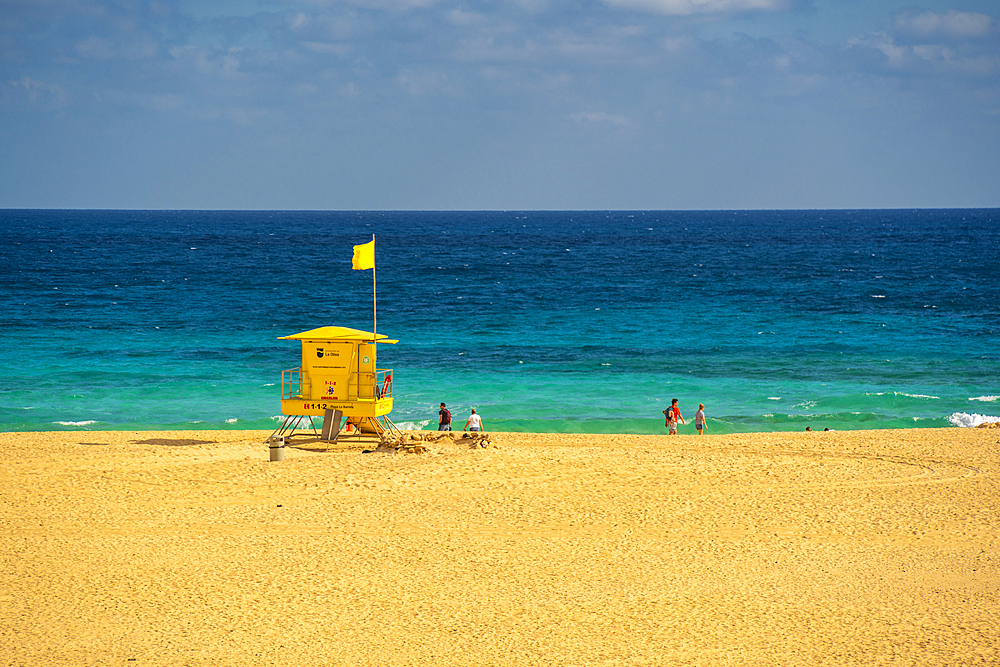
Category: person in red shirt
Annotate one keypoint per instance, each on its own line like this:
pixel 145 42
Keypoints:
pixel 673 414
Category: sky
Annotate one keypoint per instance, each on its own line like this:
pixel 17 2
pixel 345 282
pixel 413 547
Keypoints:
pixel 499 104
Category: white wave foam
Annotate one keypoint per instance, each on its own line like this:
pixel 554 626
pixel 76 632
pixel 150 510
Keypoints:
pixel 413 426
pixel 774 398
pixel 986 398
pixel 965 420
pixel 232 421
pixel 902 393
pixel 85 423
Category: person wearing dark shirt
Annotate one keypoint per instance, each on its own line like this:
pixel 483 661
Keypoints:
pixel 444 422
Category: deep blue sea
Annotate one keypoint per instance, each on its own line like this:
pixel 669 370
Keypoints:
pixel 544 321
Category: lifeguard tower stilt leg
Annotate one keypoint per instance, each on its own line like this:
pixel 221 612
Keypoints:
pixel 289 427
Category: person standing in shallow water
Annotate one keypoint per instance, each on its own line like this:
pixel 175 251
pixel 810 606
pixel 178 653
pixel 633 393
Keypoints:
pixel 444 421
pixel 673 414
pixel 699 418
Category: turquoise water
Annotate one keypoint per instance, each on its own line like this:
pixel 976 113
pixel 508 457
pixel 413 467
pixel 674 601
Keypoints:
pixel 543 321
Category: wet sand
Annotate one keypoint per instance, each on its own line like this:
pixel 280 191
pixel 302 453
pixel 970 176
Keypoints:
pixel 192 548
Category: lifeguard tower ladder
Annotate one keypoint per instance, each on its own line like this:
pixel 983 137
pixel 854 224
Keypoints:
pixel 338 378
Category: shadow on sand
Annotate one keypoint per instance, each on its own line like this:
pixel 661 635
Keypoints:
pixel 172 442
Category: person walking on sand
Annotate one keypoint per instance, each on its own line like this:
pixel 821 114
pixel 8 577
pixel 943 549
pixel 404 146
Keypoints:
pixel 475 422
pixel 673 414
pixel 444 421
pixel 699 418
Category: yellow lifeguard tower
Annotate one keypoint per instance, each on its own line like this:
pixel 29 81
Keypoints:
pixel 338 378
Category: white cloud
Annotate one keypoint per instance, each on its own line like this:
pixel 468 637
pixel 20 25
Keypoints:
pixel 388 5
pixel 39 89
pixel 953 24
pixel 678 45
pixel 488 48
pixel 896 55
pixel 934 56
pixel 589 47
pixel 95 48
pixel 601 117
pixel 164 103
pixel 692 7
pixel 463 18
pixel 331 48
pixel 422 82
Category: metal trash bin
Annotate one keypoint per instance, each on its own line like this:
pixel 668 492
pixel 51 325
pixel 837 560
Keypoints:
pixel 276 443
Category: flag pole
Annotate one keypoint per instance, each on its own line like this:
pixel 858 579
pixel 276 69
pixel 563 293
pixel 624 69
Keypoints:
pixel 374 303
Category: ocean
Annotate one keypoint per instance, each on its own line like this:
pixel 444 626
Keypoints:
pixel 588 321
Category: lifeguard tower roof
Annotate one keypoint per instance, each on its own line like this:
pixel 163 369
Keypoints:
pixel 338 333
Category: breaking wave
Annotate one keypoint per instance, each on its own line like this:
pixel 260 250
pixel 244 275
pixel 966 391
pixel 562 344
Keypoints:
pixel 965 420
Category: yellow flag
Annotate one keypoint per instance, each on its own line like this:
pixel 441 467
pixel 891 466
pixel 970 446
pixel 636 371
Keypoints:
pixel 364 256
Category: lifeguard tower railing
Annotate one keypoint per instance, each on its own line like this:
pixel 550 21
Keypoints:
pixel 295 385
pixel 383 383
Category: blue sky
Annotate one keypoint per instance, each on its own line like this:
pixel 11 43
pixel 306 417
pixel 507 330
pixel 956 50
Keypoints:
pixel 499 104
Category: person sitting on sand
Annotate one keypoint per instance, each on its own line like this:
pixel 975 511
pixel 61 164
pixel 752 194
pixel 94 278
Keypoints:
pixel 673 414
pixel 699 418
pixel 475 422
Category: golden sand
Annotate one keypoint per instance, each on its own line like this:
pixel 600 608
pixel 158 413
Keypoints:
pixel 192 548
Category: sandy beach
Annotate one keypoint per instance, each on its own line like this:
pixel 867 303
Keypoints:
pixel 192 548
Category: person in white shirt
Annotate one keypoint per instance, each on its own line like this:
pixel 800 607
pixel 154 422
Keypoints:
pixel 699 418
pixel 475 422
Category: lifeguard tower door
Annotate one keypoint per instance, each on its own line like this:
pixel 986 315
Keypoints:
pixel 329 365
